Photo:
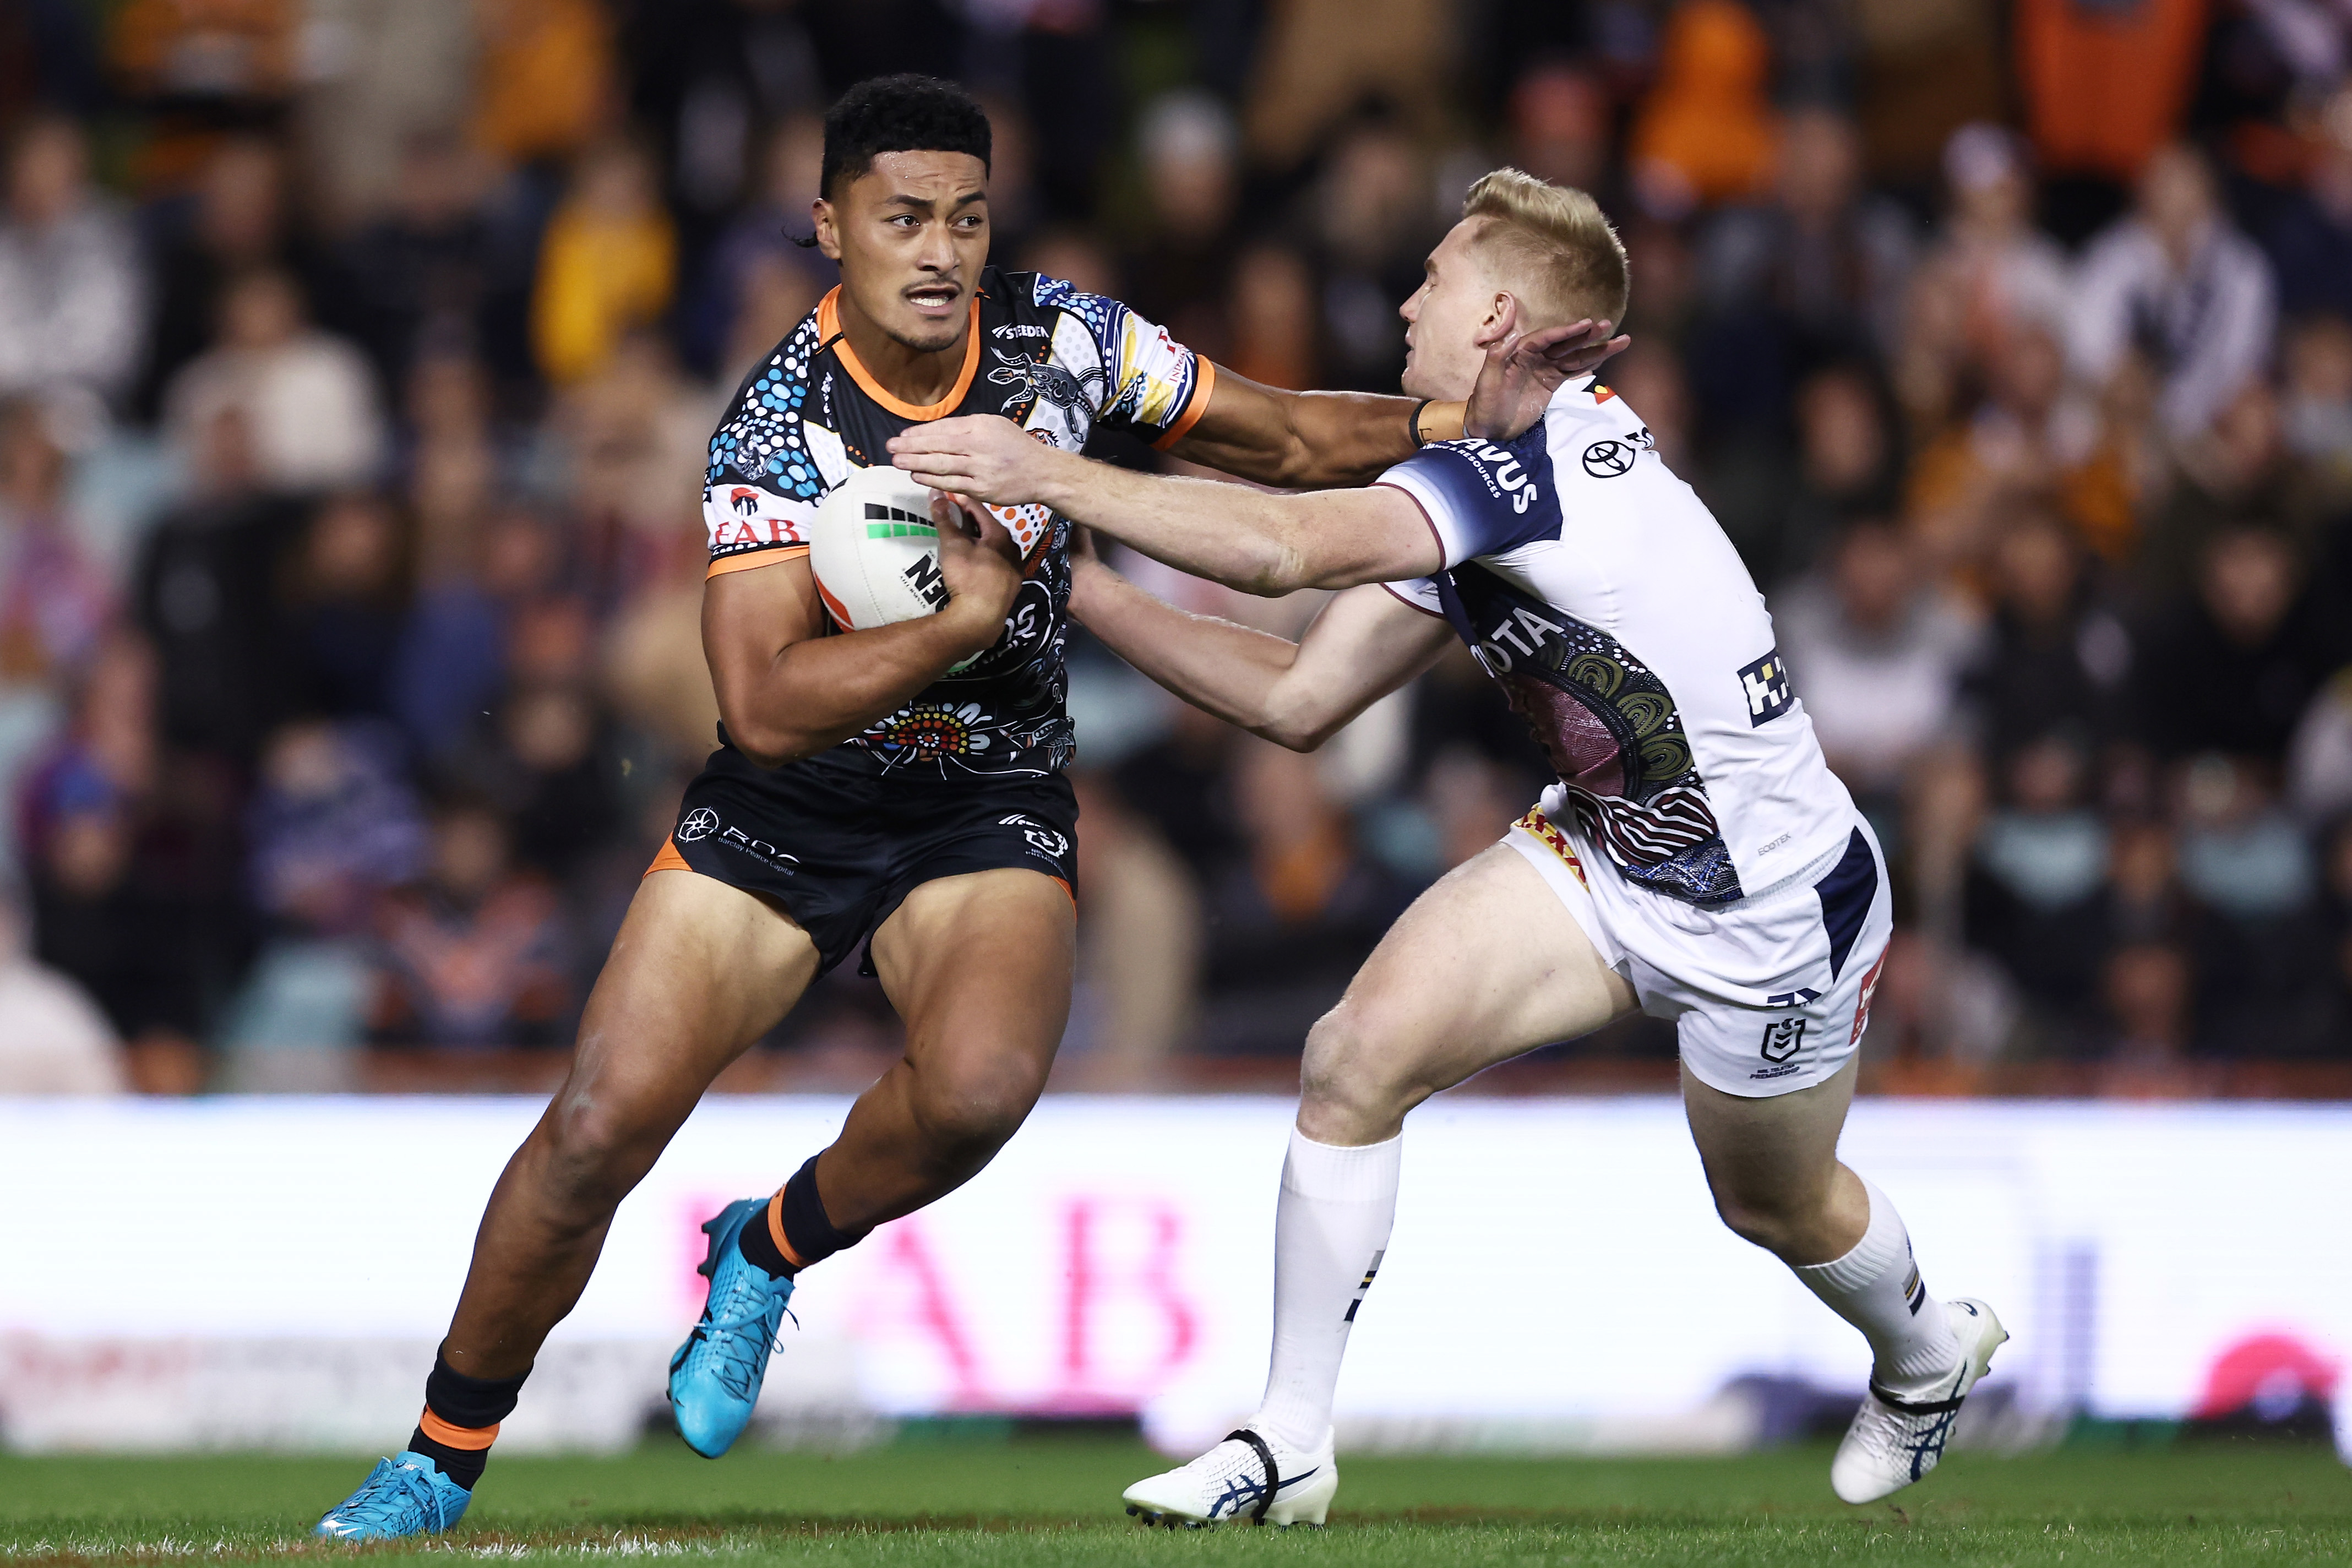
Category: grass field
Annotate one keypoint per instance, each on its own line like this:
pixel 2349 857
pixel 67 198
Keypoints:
pixel 1052 1502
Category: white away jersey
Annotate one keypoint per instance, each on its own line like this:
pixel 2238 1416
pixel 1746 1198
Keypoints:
pixel 1600 593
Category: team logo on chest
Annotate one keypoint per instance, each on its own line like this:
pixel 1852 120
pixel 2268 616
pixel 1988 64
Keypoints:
pixel 1042 381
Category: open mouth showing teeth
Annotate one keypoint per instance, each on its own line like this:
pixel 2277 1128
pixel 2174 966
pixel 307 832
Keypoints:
pixel 932 298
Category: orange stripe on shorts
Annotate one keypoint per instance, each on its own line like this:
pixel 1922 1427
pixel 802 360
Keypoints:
pixel 668 859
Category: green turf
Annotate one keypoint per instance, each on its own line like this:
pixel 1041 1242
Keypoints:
pixel 1052 1501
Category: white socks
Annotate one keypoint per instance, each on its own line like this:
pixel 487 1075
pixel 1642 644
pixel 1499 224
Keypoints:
pixel 1877 1288
pixel 1330 1228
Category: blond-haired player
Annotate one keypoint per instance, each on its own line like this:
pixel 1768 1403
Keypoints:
pixel 1696 860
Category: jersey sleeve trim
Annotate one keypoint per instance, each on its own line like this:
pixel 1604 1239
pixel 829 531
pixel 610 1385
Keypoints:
pixel 1204 382
pixel 754 560
pixel 1445 556
pixel 828 327
pixel 1401 597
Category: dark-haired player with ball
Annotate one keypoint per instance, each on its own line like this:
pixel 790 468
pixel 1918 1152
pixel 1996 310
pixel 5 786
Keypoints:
pixel 862 797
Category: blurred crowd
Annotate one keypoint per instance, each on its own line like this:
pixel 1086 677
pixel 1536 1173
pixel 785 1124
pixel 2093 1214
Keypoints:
pixel 357 359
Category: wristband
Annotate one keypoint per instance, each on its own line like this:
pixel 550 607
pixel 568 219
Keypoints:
pixel 1418 410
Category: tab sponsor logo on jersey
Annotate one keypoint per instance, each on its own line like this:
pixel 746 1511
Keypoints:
pixel 1765 683
pixel 746 517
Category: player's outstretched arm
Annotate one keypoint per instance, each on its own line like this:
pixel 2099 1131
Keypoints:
pixel 1319 441
pixel 1365 644
pixel 786 691
pixel 1244 538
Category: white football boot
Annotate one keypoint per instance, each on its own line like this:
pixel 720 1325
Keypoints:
pixel 1247 1478
pixel 1896 1439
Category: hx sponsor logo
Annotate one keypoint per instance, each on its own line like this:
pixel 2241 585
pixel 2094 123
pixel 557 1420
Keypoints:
pixel 1765 684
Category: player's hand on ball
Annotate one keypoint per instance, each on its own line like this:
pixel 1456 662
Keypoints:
pixel 1522 370
pixel 980 565
pixel 985 457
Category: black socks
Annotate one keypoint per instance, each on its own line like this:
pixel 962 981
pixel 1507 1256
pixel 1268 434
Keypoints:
pixel 461 1420
pixel 808 1237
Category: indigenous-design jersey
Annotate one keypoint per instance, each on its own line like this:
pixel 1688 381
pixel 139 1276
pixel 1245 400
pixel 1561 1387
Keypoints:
pixel 1055 361
pixel 1603 595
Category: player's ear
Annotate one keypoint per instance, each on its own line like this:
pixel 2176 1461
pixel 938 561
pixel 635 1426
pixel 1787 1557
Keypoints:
pixel 1502 315
pixel 828 232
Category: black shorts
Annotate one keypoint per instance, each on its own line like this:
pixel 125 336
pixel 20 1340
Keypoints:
pixel 840 848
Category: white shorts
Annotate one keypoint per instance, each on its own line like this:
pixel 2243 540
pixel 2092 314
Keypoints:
pixel 1769 994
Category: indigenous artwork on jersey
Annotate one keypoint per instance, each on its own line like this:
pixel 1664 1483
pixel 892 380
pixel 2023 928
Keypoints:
pixel 1057 362
pixel 1610 728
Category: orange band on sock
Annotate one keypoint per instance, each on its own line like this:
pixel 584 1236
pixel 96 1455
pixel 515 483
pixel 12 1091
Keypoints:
pixel 441 1432
pixel 776 1231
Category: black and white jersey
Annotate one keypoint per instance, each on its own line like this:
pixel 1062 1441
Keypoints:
pixel 1054 360
pixel 1598 590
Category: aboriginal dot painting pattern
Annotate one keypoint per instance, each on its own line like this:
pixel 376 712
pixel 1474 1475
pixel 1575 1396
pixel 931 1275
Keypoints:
pixel 762 442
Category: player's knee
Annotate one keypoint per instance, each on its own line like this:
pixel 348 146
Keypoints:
pixel 1764 1219
pixel 1353 1082
pixel 974 1106
pixel 598 1145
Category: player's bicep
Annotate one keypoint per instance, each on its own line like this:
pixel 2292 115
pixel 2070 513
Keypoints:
pixel 751 614
pixel 1343 537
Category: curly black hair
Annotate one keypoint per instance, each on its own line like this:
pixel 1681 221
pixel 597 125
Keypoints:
pixel 904 113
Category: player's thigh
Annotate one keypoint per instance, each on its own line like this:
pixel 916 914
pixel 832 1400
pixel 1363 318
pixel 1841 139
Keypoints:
pixel 978 965
pixel 699 972
pixel 1485 965
pixel 1769 1152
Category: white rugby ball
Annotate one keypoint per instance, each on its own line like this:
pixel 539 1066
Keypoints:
pixel 874 550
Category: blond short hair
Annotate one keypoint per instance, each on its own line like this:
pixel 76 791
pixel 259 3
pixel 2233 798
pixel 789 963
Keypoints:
pixel 1556 241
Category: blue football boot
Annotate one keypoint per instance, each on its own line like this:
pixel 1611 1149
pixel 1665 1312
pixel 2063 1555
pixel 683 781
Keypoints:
pixel 714 1379
pixel 404 1495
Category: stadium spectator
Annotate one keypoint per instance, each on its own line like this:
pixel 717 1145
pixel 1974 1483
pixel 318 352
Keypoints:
pixel 1817 272
pixel 607 263
pixel 72 295
pixel 543 82
pixel 426 274
pixel 332 824
pixel 2309 233
pixel 2179 279
pixel 1876 652
pixel 2036 881
pixel 345 600
pixel 233 222
pixel 1292 914
pixel 1707 131
pixel 1176 268
pixel 308 399
pixel 56 602
pixel 2231 669
pixel 130 859
pixel 1373 222
pixel 2053 662
pixel 472 954
pixel 757 283
pixel 53 1038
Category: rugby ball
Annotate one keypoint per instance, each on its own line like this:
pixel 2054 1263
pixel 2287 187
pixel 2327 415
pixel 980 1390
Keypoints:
pixel 874 550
